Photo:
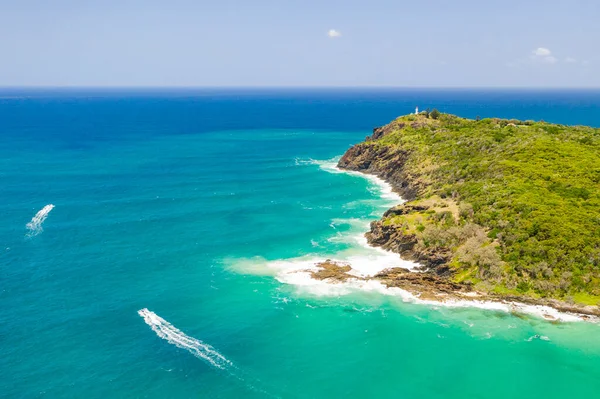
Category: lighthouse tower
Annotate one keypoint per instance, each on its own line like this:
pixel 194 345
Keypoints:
pixel 417 111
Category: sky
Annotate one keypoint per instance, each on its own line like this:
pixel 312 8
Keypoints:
pixel 434 43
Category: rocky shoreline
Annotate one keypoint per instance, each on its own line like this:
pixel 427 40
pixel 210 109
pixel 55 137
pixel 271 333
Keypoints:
pixel 430 288
pixel 433 280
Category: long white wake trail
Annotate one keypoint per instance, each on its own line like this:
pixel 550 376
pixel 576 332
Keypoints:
pixel 174 336
pixel 35 226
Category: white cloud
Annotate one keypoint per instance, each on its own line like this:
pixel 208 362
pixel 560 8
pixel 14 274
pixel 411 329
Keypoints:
pixel 542 52
pixel 334 33
pixel 571 60
pixel 543 55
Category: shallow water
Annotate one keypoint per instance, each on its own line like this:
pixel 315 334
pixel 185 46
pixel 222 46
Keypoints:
pixel 193 205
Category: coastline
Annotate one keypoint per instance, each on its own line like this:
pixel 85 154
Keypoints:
pixel 548 309
pixel 386 273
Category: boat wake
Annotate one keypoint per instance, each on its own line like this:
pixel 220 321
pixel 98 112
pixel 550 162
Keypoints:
pixel 34 227
pixel 201 350
pixel 174 336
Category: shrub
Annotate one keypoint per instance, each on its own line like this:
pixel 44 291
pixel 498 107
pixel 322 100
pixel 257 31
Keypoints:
pixel 523 286
pixel 465 210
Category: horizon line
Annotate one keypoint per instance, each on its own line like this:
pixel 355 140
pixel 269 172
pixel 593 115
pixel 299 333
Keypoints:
pixel 296 87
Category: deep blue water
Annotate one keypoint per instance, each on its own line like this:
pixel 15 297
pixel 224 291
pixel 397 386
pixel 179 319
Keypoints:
pixel 189 203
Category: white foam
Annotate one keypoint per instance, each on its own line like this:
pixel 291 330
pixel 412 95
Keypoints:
pixel 297 271
pixel 383 188
pixel 366 261
pixel 35 225
pixel 537 336
pixel 544 312
pixel 352 222
pixel 172 335
pixel 303 280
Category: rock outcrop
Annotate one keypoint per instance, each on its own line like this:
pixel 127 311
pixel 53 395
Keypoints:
pixel 332 271
pixel 381 161
pixel 387 163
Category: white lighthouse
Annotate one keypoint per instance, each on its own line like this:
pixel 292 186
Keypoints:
pixel 417 111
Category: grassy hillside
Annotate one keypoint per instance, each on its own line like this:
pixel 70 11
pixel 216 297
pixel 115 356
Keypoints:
pixel 517 204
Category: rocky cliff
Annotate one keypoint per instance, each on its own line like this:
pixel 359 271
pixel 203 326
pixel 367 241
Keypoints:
pixel 388 163
pixel 384 162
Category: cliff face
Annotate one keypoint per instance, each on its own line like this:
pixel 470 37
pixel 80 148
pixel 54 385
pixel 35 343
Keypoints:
pixel 384 162
pixel 388 163
pixel 482 199
pixel 397 239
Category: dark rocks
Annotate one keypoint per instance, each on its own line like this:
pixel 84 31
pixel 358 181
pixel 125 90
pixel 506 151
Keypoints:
pixel 332 271
pixel 390 238
pixel 435 287
pixel 396 239
pixel 426 285
pixel 380 132
pixel 404 210
pixel 382 161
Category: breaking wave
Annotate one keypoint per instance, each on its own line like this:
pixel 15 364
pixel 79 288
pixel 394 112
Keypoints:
pixel 35 225
pixel 378 186
pixel 174 336
pixel 349 233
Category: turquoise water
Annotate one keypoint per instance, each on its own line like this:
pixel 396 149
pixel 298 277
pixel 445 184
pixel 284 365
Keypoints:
pixel 195 205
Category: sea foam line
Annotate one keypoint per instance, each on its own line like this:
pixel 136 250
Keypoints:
pixel 35 225
pixel 300 277
pixel 174 336
pixel 330 165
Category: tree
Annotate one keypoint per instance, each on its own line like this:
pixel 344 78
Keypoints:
pixel 435 114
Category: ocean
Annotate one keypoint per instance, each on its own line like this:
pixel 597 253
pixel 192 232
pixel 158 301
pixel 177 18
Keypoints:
pixel 150 238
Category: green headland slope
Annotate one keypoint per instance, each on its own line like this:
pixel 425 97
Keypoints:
pixel 509 207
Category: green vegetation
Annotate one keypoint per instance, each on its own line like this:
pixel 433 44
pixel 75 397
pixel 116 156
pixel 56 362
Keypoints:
pixel 516 203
